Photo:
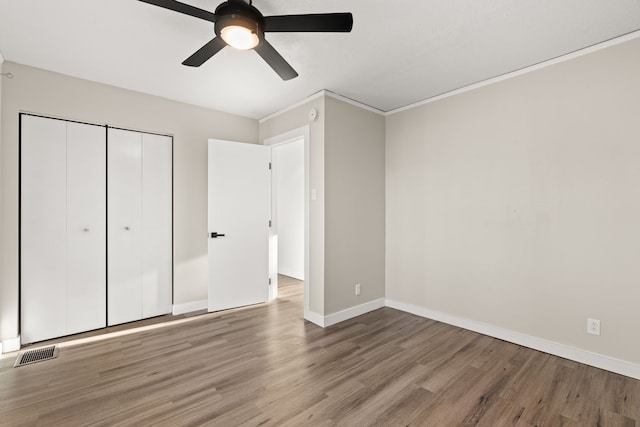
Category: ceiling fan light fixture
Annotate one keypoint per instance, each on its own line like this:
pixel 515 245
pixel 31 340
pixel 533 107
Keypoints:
pixel 239 37
pixel 240 25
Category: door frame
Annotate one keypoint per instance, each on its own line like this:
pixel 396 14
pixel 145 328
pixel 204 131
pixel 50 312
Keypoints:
pixel 284 138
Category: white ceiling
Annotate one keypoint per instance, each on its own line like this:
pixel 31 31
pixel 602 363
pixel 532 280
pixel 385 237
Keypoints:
pixel 399 52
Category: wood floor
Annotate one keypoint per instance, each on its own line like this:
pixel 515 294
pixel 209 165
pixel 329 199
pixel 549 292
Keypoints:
pixel 266 366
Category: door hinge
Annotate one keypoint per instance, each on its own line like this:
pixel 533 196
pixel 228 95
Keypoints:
pixel 269 280
pixel 269 223
pixel 269 165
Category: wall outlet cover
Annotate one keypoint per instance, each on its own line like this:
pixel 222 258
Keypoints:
pixel 593 326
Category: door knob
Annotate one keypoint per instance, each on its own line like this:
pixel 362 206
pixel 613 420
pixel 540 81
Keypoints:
pixel 85 230
pixel 215 235
pixel 127 228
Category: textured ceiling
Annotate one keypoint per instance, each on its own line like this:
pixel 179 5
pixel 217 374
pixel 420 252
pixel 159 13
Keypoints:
pixel 398 53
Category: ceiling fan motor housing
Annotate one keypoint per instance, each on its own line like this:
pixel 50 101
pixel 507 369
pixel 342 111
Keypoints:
pixel 241 14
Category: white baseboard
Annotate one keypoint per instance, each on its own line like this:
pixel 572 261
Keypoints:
pixel 9 345
pixel 346 314
pixel 189 307
pixel 351 312
pixel 597 360
pixel 314 317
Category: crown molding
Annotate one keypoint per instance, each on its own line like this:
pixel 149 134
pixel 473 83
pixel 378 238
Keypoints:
pixel 320 94
pixel 572 55
pixel 291 107
pixel 353 102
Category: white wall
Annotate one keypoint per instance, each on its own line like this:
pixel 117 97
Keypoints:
pixel 516 205
pixel 47 93
pixel 288 170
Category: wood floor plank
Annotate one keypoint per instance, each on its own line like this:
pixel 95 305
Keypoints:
pixel 265 366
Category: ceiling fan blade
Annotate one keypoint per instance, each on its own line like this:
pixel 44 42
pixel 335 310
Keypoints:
pixel 205 52
pixel 320 22
pixel 183 8
pixel 275 60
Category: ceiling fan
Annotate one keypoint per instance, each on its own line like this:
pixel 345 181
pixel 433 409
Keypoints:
pixel 240 25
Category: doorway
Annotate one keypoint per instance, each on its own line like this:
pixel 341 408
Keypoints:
pixel 289 240
pixel 287 200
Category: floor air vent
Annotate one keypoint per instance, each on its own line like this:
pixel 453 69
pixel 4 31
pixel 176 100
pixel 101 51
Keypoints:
pixel 33 356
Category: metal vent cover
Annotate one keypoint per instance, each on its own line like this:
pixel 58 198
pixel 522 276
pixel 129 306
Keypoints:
pixel 34 356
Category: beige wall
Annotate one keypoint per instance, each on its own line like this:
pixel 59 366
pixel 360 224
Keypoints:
pixel 283 123
pixel 354 205
pixel 48 93
pixel 517 204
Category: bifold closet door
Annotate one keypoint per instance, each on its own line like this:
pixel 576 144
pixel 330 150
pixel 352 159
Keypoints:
pixel 86 228
pixel 139 240
pixel 157 290
pixel 43 229
pixel 124 196
pixel 62 228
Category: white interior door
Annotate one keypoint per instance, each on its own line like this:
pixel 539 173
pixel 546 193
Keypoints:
pixel 239 207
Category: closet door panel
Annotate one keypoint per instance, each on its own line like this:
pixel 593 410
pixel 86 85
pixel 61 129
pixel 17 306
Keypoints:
pixel 156 225
pixel 43 229
pixel 124 195
pixel 86 227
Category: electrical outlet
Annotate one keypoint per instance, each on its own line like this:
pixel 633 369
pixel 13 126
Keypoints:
pixel 593 326
pixel 357 288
